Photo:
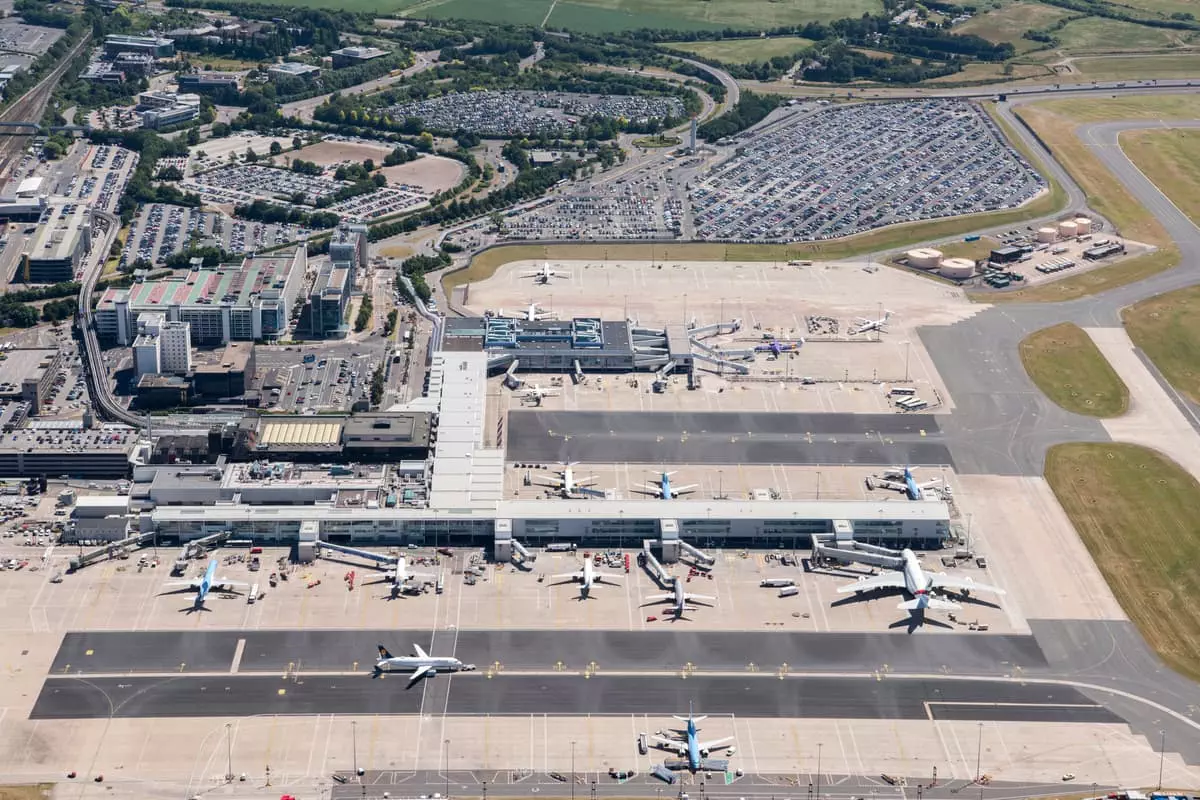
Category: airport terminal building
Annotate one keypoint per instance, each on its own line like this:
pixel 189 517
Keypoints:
pixel 456 496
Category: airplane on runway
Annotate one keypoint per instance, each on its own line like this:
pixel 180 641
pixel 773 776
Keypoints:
pixel 203 585
pixel 900 479
pixel 696 751
pixel 570 486
pixel 586 577
pixel 679 598
pixel 914 580
pixel 420 663
pixel 665 490
pixel 534 313
pixel 864 325
pixel 545 274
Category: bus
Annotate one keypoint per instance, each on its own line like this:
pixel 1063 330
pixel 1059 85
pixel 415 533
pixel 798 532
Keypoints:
pixel 902 391
pixel 912 404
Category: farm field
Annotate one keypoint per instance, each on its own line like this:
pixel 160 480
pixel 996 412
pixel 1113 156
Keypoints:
pixel 1181 65
pixel 1134 510
pixel 1069 368
pixel 1006 24
pixel 742 51
pixel 1098 33
pixel 1167 329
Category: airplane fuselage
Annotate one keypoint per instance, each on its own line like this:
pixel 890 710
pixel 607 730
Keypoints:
pixel 916 582
pixel 413 663
pixel 694 755
pixel 911 489
pixel 206 583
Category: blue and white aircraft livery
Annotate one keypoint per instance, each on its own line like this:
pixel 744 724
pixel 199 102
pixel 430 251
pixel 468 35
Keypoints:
pixel 695 751
pixel 900 479
pixel 665 490
pixel 206 583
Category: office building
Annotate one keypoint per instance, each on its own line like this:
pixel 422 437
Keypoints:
pixel 354 56
pixel 163 109
pixel 201 82
pixel 27 375
pixel 230 374
pixel 148 45
pixel 102 72
pixel 56 250
pixel 162 346
pixel 233 302
pixel 329 300
pixel 134 64
pixel 348 246
pixel 291 69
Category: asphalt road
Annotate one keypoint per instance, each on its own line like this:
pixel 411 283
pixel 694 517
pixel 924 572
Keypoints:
pixel 725 438
pixel 336 650
pixel 751 695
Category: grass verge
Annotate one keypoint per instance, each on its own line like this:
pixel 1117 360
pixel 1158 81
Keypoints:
pixel 1167 329
pixel 1067 366
pixel 1134 509
pixel 27 791
pixel 1168 159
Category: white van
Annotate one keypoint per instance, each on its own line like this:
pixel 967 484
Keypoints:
pixel 252 595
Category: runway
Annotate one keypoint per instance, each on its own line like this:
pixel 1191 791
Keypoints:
pixel 725 438
pixel 469 694
pixel 337 650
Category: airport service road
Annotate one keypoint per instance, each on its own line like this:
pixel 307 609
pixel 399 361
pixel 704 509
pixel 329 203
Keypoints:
pixel 472 694
pixel 337 650
pixel 725 438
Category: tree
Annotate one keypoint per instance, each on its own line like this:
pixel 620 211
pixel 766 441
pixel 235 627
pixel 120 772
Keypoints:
pixel 497 221
pixel 193 137
pixel 251 156
pixel 276 148
pixel 297 143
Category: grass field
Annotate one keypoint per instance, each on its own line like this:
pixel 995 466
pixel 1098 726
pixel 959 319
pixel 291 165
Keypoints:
pixel 1168 158
pixel 742 51
pixel 1067 366
pixel 1134 509
pixel 1115 68
pixel 34 791
pixel 602 16
pixel 977 71
pixel 1099 33
pixel 1006 24
pixel 1167 329
pixel 221 64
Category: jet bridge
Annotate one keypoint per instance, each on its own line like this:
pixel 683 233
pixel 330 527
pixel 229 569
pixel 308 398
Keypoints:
pixel 368 555
pixel 840 547
pixel 110 550
pixel 716 328
pixel 197 547
pixel 701 557
pixel 510 375
pixel 505 547
pixel 657 571
pixel 720 362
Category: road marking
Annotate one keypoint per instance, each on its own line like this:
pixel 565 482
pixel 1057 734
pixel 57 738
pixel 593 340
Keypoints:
pixel 237 656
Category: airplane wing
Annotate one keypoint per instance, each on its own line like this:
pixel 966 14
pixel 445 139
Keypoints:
pixel 888 580
pixel 606 576
pixel 656 488
pixel 419 673
pixel 715 744
pixel 684 489
pixel 183 584
pixel 586 481
pixel 419 651
pixel 675 744
pixel 942 581
pixel 222 582
pixel 657 598
pixel 701 597
pixel 577 575
pixel 931 484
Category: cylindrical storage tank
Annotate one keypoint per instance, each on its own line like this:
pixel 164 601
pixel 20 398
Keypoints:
pixel 957 268
pixel 1046 235
pixel 1066 229
pixel 1082 225
pixel 924 258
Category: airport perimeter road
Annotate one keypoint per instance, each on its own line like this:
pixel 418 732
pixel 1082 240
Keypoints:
pixel 725 438
pixel 472 694
pixel 535 650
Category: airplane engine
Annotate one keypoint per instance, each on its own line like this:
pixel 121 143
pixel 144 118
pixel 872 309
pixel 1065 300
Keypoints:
pixel 704 754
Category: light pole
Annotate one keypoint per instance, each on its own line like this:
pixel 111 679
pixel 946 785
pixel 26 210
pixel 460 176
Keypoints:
pixel 572 769
pixel 354 744
pixel 979 754
pixel 446 742
pixel 818 484
pixel 819 746
pixel 907 345
pixel 229 752
pixel 1162 752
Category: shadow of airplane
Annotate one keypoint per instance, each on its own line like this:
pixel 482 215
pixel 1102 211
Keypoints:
pixel 916 619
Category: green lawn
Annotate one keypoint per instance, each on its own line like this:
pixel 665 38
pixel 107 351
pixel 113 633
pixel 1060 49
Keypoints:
pixel 1135 510
pixel 1067 366
pixel 742 51
pixel 1006 24
pixel 1169 159
pixel 1167 329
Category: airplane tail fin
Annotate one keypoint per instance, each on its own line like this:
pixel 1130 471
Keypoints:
pixel 383 652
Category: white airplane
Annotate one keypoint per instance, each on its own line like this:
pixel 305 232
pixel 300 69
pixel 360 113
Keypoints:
pixel 537 392
pixel 569 485
pixel 900 479
pixel 534 313
pixel 666 491
pixel 204 584
pixel 545 274
pixel 421 664
pixel 679 598
pixel 399 574
pixel 586 577
pixel 864 325
pixel 914 580
pixel 696 751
